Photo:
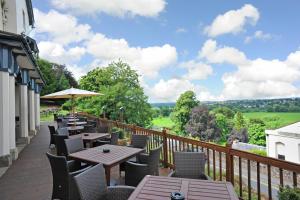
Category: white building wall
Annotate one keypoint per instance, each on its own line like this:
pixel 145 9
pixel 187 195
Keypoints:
pixel 12 124
pixel 291 147
pixel 31 99
pixel 14 15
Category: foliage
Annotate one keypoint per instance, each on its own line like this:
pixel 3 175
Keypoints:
pixel 258 152
pixel 57 77
pixel 163 122
pixel 202 124
pixel 239 121
pixel 227 112
pixel 224 124
pixel 240 135
pixel 120 87
pixel 288 193
pixel 181 114
pixel 256 132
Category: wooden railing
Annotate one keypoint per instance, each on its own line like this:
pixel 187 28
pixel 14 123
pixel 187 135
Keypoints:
pixel 243 169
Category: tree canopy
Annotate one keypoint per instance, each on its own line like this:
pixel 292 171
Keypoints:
pixel 181 113
pixel 120 87
pixel 57 77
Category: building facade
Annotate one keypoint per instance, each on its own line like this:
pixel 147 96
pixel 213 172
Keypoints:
pixel 20 79
pixel 284 143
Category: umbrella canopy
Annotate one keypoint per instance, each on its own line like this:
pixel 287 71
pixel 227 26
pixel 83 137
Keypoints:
pixel 70 93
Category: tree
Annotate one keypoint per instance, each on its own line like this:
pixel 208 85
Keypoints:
pixel 120 87
pixel 57 77
pixel 202 124
pixel 239 121
pixel 240 135
pixel 227 112
pixel 256 131
pixel 224 124
pixel 181 114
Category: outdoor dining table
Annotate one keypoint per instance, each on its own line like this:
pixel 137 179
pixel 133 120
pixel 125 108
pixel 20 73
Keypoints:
pixel 161 187
pixel 74 129
pixel 115 156
pixel 90 137
pixel 77 123
pixel 73 120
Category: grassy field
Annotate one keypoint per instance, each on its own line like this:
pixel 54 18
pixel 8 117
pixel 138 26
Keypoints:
pixel 163 122
pixel 275 120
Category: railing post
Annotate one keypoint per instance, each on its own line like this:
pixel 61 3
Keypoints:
pixel 229 165
pixel 165 147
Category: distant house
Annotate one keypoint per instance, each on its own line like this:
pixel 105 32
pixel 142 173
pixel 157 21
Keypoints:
pixel 284 143
pixel 20 78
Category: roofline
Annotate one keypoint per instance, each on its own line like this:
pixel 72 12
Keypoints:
pixel 30 12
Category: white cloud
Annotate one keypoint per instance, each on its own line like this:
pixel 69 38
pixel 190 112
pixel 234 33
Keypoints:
pixel 196 70
pixel 121 8
pixel 259 35
pixel 233 21
pixel 214 54
pixel 258 78
pixel 181 30
pixel 60 28
pixel 147 61
pixel 55 52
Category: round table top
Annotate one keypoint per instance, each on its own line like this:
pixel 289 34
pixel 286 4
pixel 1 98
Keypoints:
pixel 75 128
pixel 77 123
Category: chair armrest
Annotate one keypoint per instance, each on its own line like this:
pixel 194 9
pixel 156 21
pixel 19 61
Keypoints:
pixel 119 192
pixel 135 172
pixel 73 165
pixel 79 171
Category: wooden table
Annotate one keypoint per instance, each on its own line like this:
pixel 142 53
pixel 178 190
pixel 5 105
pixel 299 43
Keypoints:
pixel 76 123
pixel 73 120
pixel 117 155
pixel 90 138
pixel 73 129
pixel 160 188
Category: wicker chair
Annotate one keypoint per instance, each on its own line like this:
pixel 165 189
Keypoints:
pixel 103 129
pixel 89 129
pixel 74 145
pixel 62 131
pixel 189 165
pixel 113 140
pixel 61 149
pixel 148 165
pixel 91 185
pixel 62 123
pixel 52 134
pixel 137 141
pixel 64 187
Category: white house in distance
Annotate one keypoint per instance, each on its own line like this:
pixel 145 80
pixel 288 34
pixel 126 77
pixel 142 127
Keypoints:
pixel 20 79
pixel 284 143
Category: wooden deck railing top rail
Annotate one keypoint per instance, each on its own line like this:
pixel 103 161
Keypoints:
pixel 221 160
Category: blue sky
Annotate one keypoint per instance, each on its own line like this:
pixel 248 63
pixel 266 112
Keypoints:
pixel 232 50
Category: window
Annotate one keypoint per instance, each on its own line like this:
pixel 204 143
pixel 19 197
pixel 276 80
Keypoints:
pixel 280 149
pixel 24 21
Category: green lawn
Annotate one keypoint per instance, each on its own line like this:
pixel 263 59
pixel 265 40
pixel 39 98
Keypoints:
pixel 275 120
pixel 163 122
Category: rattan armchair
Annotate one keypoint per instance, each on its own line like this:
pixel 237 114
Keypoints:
pixel 189 165
pixel 91 185
pixel 148 165
pixel 74 145
pixel 62 131
pixel 52 134
pixel 112 140
pixel 60 145
pixel 62 173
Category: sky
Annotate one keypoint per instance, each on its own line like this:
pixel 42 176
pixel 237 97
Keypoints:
pixel 221 50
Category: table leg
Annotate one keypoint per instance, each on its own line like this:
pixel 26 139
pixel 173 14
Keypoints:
pixel 107 174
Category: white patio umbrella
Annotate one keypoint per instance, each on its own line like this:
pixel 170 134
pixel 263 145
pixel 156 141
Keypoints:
pixel 71 93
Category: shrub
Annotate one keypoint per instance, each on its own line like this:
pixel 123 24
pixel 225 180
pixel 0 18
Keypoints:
pixel 288 193
pixel 259 152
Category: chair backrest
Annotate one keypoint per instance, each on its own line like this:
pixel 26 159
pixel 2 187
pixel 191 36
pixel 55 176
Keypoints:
pixel 74 145
pixel 189 164
pixel 63 131
pixel 60 175
pixel 103 129
pixel 52 130
pixel 114 138
pixel 60 145
pixel 62 123
pixel 139 141
pixel 153 160
pixel 91 183
pixel 89 129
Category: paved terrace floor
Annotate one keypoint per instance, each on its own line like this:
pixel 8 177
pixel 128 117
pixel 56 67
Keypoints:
pixel 29 177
